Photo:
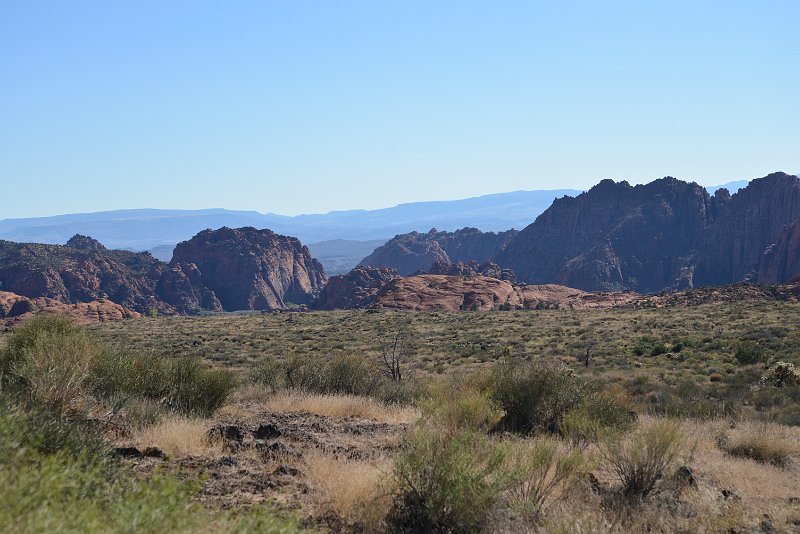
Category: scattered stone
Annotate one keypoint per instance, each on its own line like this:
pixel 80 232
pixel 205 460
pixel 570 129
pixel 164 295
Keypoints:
pixel 794 500
pixel 231 435
pixel 686 477
pixel 267 431
pixel 286 469
pixel 276 449
pixel 154 452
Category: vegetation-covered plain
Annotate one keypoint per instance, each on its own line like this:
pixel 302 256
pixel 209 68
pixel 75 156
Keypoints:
pixel 681 419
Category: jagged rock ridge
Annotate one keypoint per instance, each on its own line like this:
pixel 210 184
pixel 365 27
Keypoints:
pixel 413 252
pixel 225 269
pixel 667 234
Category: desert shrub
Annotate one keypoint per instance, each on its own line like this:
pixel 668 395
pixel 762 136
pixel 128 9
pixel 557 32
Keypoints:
pixel 690 400
pixel 446 481
pixel 345 375
pixel 195 389
pixel 640 462
pixel 407 391
pixel 460 403
pixel 47 360
pixel 658 349
pixel 749 353
pixel 534 395
pixel 761 446
pixel 182 385
pixel 538 471
pixel 269 372
pixel 597 417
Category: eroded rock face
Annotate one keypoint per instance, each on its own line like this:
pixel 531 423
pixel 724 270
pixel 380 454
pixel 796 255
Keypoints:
pixel 472 268
pixel 614 236
pixel 753 238
pixel 666 235
pixel 84 272
pixel 414 252
pixel 227 269
pixel 16 308
pixel 249 269
pixel 429 292
pixel 356 289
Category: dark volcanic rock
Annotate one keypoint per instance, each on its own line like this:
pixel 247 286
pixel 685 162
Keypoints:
pixel 249 269
pixel 355 289
pixel 414 252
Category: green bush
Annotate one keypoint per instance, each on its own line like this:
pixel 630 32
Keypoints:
pixel 446 481
pixel 750 353
pixel 346 375
pixel 535 396
pixel 47 361
pixel 760 446
pixel 194 389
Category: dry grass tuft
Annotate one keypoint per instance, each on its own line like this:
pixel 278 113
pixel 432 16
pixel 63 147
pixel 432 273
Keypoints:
pixel 177 437
pixel 761 444
pixel 329 405
pixel 355 491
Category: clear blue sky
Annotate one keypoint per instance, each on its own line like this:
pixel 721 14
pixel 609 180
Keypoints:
pixel 301 106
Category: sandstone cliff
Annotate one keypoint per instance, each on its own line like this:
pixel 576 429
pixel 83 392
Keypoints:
pixel 413 252
pixel 226 269
pixel 249 269
pixel 667 234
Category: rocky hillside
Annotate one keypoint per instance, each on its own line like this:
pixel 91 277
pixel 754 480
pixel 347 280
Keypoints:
pixel 226 269
pixel 249 269
pixel 356 289
pixel 414 252
pixel 667 234
pixel 82 271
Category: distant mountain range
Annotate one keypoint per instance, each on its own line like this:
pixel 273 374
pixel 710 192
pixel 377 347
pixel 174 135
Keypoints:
pixel 338 238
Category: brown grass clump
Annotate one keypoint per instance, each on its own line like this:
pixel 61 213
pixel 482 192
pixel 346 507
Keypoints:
pixel 761 444
pixel 355 491
pixel 329 405
pixel 178 436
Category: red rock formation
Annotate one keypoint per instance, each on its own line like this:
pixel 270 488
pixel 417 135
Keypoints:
pixel 16 308
pixel 356 289
pixel 249 269
pixel 430 292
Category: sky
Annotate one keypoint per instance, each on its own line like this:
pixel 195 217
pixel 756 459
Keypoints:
pixel 304 107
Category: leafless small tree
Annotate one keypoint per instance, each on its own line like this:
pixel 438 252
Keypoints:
pixel 393 352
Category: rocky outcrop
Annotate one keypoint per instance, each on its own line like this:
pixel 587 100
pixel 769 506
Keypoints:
pixel 615 236
pixel 665 235
pixel 249 269
pixel 430 292
pixel 226 269
pixel 16 308
pixel 82 273
pixel 356 289
pixel 414 252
